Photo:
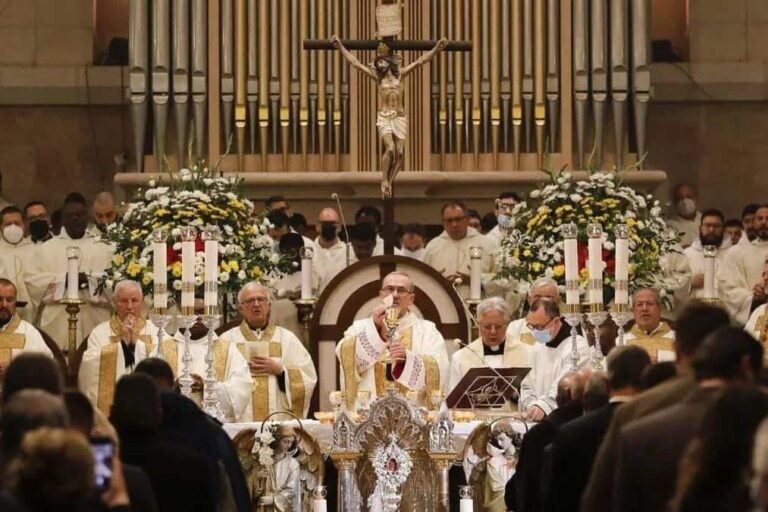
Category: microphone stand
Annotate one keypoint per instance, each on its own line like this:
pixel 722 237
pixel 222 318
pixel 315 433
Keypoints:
pixel 343 223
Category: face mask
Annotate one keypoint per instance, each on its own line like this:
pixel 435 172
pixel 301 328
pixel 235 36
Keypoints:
pixel 504 221
pixel 417 254
pixel 686 207
pixel 328 231
pixel 39 228
pixel 542 336
pixel 13 234
pixel 102 227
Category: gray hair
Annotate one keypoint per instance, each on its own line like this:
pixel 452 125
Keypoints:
pixel 253 285
pixel 550 306
pixel 126 283
pixel 494 304
pixel 400 273
pixel 541 282
pixel 646 289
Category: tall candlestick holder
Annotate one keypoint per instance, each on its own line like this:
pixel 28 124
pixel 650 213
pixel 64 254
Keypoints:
pixel 160 318
pixel 305 308
pixel 472 306
pixel 72 307
pixel 573 318
pixel 211 319
pixel 621 314
pixel 597 317
pixel 187 320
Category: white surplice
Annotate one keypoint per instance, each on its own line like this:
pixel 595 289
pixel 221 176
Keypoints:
pixel 46 278
pixel 757 326
pixel 741 270
pixel 688 229
pixel 327 262
pixel 695 255
pixel 18 336
pixel 361 350
pixel 515 355
pixel 13 260
pixel 299 375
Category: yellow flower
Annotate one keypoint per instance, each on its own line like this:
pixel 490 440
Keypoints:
pixel 160 212
pixel 133 269
pixel 584 273
pixel 202 207
pixel 118 259
pixel 527 253
pixel 558 270
pixel 146 279
pixel 234 266
pixel 176 269
pixel 536 266
pixel 256 273
pixel 224 266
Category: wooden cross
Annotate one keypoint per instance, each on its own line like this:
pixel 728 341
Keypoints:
pixel 393 22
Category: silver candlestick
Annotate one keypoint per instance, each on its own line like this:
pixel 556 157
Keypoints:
pixel 621 315
pixel 573 318
pixel 185 379
pixel 210 401
pixel 597 317
pixel 160 318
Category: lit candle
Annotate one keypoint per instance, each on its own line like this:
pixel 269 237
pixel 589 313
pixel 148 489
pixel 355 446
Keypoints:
pixel 622 264
pixel 571 249
pixel 73 265
pixel 306 254
pixel 188 236
pixel 211 296
pixel 319 503
pixel 475 272
pixel 595 250
pixel 466 503
pixel 709 271
pixel 160 269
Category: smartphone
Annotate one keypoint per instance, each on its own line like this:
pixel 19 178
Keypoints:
pixel 103 451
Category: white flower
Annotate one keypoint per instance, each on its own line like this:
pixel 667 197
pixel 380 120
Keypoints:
pixel 224 277
pixel 535 194
pixel 265 456
pixel 176 284
pixel 151 183
pixel 175 232
pixel 177 246
pixel 198 279
pixel 576 198
pixel 185 175
pixel 143 262
pixel 274 257
pixel 241 275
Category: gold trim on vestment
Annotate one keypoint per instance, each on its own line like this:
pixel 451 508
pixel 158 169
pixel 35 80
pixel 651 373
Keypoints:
pixel 258 335
pixel 350 370
pixel 220 358
pixel 116 326
pixel 171 351
pixel 107 377
pixel 260 383
pixel 296 382
pixel 762 332
pixel 10 340
pixel 527 338
pixel 652 345
pixel 432 378
pixel 660 332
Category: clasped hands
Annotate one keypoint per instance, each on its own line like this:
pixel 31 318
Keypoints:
pixel 128 332
pixel 264 366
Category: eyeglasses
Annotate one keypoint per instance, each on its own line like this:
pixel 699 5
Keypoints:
pixel 539 327
pixel 453 220
pixel 493 327
pixel 253 300
pixel 400 290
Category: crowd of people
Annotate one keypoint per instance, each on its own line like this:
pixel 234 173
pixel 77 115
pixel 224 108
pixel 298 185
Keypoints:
pixel 675 422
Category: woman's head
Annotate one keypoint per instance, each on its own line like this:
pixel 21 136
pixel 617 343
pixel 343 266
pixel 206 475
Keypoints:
pixel 285 439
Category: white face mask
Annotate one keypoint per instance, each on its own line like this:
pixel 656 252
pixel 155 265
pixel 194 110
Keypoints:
pixel 417 254
pixel 13 234
pixel 686 207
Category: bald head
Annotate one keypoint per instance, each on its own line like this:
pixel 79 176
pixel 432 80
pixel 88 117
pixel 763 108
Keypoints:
pixel 328 215
pixel 103 210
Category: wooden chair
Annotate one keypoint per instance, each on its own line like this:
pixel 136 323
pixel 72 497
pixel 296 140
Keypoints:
pixel 58 355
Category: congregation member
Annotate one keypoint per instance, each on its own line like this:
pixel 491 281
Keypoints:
pixel 283 373
pixel 14 255
pixel 740 278
pixel 47 274
pixel 550 360
pixel 694 324
pixel 230 368
pixel 748 223
pixel 728 356
pixel 649 331
pixel 296 221
pixel 733 230
pixel 362 239
pixel 492 349
pixel 16 335
pixel 372 216
pixel 418 352
pixel 288 288
pixel 756 325
pixel 449 252
pixel 329 252
pixel 114 347
pixel 475 220
pixel 412 241
pixel 575 444
pixel 686 218
pixel 279 226
pixel 37 222
pixel 103 213
pixel 711 232
pixel 543 287
pixel 502 220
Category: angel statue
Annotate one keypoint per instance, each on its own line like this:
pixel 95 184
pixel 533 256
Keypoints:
pixel 282 465
pixel 390 117
pixel 489 459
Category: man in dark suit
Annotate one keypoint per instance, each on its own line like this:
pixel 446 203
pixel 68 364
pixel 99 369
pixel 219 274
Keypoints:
pixel 695 322
pixel 650 448
pixel 522 493
pixel 576 443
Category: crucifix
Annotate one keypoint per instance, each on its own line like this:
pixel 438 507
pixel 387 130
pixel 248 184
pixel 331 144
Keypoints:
pixel 388 72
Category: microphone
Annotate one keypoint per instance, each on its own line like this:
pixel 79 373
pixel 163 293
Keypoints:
pixel 335 196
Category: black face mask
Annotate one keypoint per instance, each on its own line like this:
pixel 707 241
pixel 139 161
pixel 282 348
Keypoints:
pixel 39 228
pixel 102 227
pixel 328 231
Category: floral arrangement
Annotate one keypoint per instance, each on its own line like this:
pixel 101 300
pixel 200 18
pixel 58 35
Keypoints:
pixel 262 450
pixel 194 197
pixel 533 246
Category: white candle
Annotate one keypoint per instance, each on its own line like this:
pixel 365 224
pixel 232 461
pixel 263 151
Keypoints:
pixel 709 272
pixel 465 505
pixel 475 273
pixel 622 270
pixel 188 273
pixel 211 272
pixel 160 271
pixel 72 277
pixel 571 269
pixel 319 505
pixel 306 278
pixel 595 250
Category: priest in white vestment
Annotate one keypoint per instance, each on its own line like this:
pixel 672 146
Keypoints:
pixel 687 218
pixel 330 254
pixel 757 326
pixel 282 370
pixel 649 331
pixel 116 346
pixel 492 349
pixel 740 278
pixel 229 366
pixel 416 359
pixel 14 251
pixel 712 232
pixel 542 287
pixel 550 358
pixel 46 275
pixel 16 335
pixel 449 252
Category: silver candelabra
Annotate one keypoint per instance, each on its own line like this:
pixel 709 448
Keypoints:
pixel 210 400
pixel 597 317
pixel 573 318
pixel 185 379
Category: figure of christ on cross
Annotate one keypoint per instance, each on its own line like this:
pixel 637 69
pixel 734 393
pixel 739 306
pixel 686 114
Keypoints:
pixel 390 117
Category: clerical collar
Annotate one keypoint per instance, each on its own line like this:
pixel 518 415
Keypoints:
pixel 498 350
pixel 563 333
